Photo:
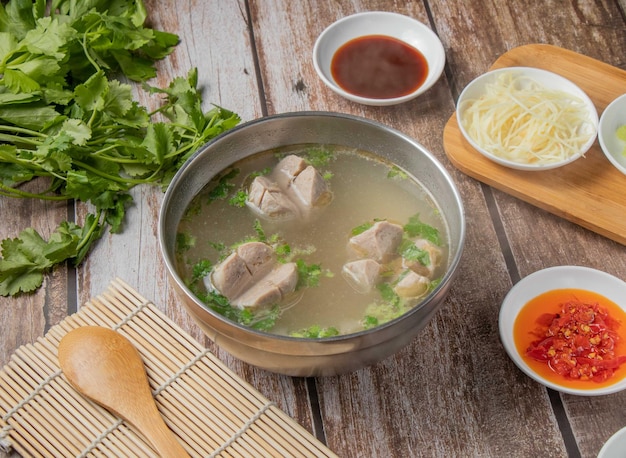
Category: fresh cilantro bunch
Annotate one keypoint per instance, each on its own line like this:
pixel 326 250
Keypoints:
pixel 65 119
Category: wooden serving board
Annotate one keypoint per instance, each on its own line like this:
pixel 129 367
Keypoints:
pixel 590 191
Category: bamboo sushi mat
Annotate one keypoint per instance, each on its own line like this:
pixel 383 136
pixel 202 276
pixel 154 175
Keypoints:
pixel 213 412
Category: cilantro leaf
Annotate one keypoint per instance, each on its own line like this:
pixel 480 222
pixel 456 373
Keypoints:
pixel 309 275
pixel 17 17
pixel 64 117
pixel 361 228
pixel 18 81
pixel 315 332
pixel 35 116
pixel 319 157
pixel 410 252
pixel 201 269
pixel 239 199
pixel 416 228
pixel 77 130
pixel 158 144
pixel 49 37
pixel 25 259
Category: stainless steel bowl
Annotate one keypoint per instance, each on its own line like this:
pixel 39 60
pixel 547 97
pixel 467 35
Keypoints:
pixel 298 356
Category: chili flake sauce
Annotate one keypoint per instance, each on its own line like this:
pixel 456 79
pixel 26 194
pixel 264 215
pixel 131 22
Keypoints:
pixel 573 337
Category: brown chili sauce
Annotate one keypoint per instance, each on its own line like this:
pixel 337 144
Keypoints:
pixel 378 67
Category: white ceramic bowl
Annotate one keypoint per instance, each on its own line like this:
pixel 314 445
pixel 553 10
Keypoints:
pixel 547 79
pixel 615 447
pixel 613 117
pixel 398 26
pixel 560 277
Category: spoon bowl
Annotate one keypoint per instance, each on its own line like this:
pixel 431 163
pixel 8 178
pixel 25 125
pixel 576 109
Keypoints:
pixel 105 367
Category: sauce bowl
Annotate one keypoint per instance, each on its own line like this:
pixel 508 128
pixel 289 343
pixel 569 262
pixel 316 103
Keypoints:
pixel 403 28
pixel 305 356
pixel 549 279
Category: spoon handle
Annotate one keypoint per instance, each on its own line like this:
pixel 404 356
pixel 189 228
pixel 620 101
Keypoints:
pixel 152 426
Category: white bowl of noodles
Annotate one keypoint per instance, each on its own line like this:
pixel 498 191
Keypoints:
pixel 527 118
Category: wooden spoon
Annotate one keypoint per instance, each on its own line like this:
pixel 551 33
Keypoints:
pixel 105 367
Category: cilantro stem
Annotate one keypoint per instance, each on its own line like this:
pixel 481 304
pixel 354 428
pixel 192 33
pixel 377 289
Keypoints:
pixel 161 109
pixel 107 129
pixel 8 191
pixel 87 239
pixel 100 152
pixel 9 62
pixel 17 139
pixel 37 169
pixel 112 141
pixel 22 130
pixel 180 151
pixel 116 159
pixel 86 48
pixel 92 119
pixel 116 178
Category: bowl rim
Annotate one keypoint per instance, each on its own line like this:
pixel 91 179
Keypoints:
pixel 435 65
pixel 611 443
pixel 320 342
pixel 548 279
pixel 567 85
pixel 604 120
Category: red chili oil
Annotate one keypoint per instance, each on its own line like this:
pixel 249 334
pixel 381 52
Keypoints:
pixel 378 67
pixel 550 330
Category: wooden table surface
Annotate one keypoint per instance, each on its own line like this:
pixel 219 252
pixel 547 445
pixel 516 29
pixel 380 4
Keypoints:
pixel 453 391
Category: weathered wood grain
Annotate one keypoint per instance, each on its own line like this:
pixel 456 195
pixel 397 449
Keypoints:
pixel 537 239
pixel 27 316
pixel 421 406
pixel 453 391
pixel 214 38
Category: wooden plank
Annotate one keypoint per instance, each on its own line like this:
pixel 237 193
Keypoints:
pixel 449 393
pixel 533 238
pixel 214 37
pixel 226 75
pixel 31 314
pixel 26 317
pixel 453 391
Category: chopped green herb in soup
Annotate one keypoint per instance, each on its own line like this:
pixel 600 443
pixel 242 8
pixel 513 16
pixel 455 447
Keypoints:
pixel 312 241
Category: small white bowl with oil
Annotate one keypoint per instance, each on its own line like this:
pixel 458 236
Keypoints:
pixel 373 67
pixel 613 119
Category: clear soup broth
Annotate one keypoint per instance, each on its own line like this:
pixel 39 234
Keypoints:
pixel 365 189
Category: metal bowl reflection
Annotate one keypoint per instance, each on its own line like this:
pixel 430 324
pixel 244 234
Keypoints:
pixel 300 356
